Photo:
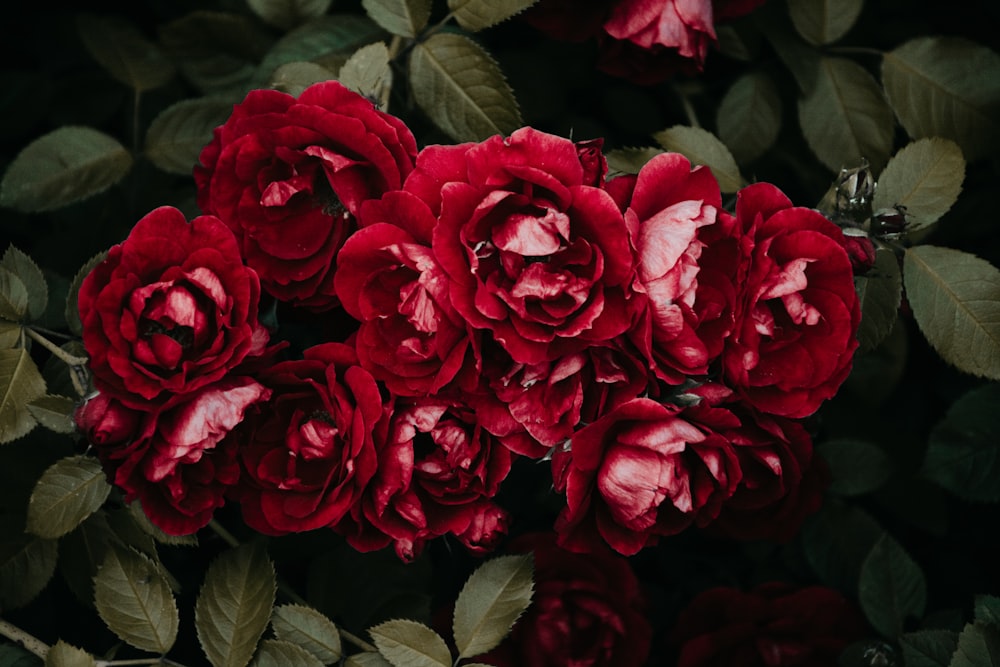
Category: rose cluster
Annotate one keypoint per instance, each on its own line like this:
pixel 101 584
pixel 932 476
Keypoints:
pixel 470 305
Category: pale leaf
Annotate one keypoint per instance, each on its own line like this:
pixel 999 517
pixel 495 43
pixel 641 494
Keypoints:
pixel 400 17
pixel 491 601
pixel 925 178
pixel 410 644
pixel 702 147
pixel 69 491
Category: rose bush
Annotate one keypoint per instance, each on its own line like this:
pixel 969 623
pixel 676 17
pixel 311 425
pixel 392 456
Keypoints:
pixel 289 175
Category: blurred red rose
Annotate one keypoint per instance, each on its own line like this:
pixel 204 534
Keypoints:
pixel 587 611
pixel 774 625
pixel 799 313
pixel 642 471
pixel 170 310
pixel 309 452
pixel 288 176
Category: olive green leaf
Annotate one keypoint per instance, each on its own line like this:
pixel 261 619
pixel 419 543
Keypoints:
pixel 892 587
pixel 400 17
pixel 925 177
pixel 63 167
pixel 317 38
pixel 824 21
pixel 844 116
pixel 178 134
pixel 928 648
pixel 82 551
pixel 947 87
pixel 69 491
pixel 278 653
pixel 309 629
pixel 135 601
pixel 121 49
pixel 54 413
pixel 72 296
pixel 987 609
pixel 856 467
pixel 62 654
pixel 15 656
pixel 286 14
pixel 13 296
pixel 749 116
pixel 410 644
pixel 962 454
pixel 460 87
pixel 978 646
pixel 475 15
pixel 293 78
pixel 955 298
pixel 234 605
pixel 367 73
pixel 491 601
pixel 20 384
pixel 879 291
pixel 702 147
pixel 836 541
pixel 10 334
pixel 630 160
pixel 22 266
pixel 27 563
pixel 367 659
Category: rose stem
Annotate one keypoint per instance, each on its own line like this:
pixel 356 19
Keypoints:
pixel 23 639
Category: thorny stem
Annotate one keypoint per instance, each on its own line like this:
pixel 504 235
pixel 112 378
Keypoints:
pixel 62 354
pixel 23 639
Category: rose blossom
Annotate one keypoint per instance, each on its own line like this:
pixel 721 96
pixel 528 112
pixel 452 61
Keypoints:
pixel 798 314
pixel 587 611
pixel 288 176
pixel 170 310
pixel 309 452
pixel 642 471
pixel 774 625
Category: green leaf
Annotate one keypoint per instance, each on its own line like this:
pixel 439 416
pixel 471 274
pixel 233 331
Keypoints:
pixel 963 455
pixel 987 609
pixel 367 659
pixel 856 466
pixel 178 134
pixel 54 413
pixel 955 298
pixel 880 292
pixel 234 605
pixel 491 601
pixel 286 14
pixel 322 36
pixel 824 21
pixel 928 648
pixel 135 601
pixel 925 177
pixel 749 116
pixel 947 87
pixel 410 644
pixel 367 72
pixel 83 551
pixel 892 587
pixel 142 521
pixel 20 384
pixel 978 646
pixel 68 492
pixel 72 309
pixel 278 653
pixel 836 541
pixel 62 654
pixel 475 15
pixel 844 116
pixel 702 147
pixel 13 296
pixel 400 17
pixel 293 78
pixel 15 656
pixel 10 334
pixel 22 266
pixel 460 87
pixel 118 46
pixel 63 167
pixel 27 564
pixel 630 160
pixel 309 629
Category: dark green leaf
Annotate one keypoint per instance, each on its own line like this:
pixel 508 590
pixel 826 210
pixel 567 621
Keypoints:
pixel 824 21
pixel 460 87
pixel 844 116
pixel 400 17
pixel 135 601
pixel 836 542
pixel 891 588
pixel 474 15
pixel 68 492
pixel 309 629
pixel 72 310
pixel 63 167
pixel 178 134
pixel 630 160
pixel 27 563
pixel 367 660
pixel 955 298
pixel 946 87
pixel 13 296
pixel 978 646
pixel 856 466
pixel 63 655
pixel 925 177
pixel 20 384
pixel 702 147
pixel 124 52
pixel 491 601
pixel 287 14
pixel 987 609
pixel 928 648
pixel 10 334
pixel 22 266
pixel 336 33
pixel 82 553
pixel 234 605
pixel 54 413
pixel 15 656
pixel 293 78
pixel 749 116
pixel 410 644
pixel 278 653
pixel 880 291
pixel 367 72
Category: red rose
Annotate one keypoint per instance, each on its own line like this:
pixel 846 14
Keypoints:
pixel 642 471
pixel 774 625
pixel 798 316
pixel 586 611
pixel 309 452
pixel 177 459
pixel 671 30
pixel 725 10
pixel 172 309
pixel 532 253
pixel 289 175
